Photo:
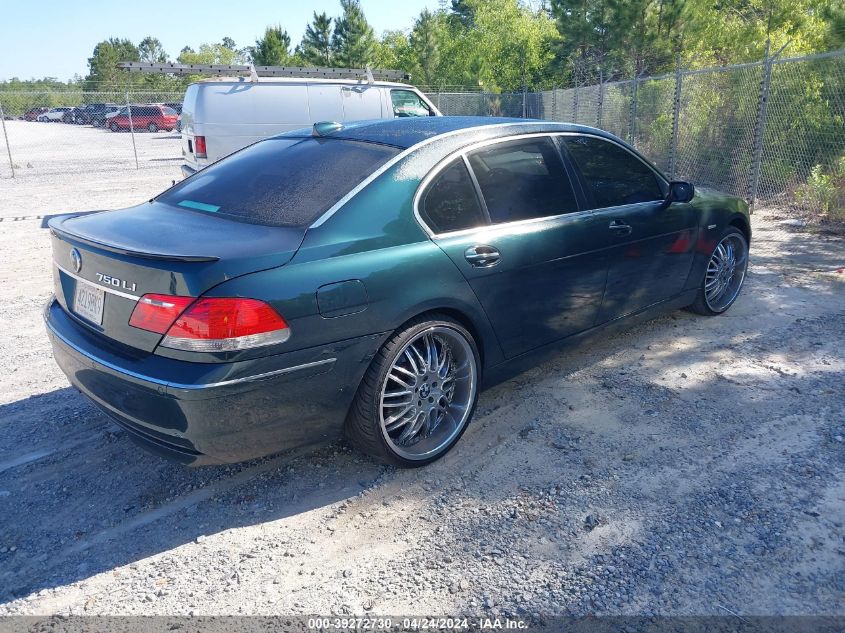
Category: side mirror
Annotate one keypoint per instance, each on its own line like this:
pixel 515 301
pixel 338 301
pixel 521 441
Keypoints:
pixel 680 191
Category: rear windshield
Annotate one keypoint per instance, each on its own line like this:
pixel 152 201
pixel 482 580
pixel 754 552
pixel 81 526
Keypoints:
pixel 280 181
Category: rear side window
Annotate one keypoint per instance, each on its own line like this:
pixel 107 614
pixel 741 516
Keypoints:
pixel 523 179
pixel 280 181
pixel 613 175
pixel 450 202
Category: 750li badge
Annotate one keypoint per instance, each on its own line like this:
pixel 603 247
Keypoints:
pixel 115 282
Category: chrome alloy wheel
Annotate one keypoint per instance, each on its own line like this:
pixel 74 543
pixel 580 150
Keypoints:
pixel 726 272
pixel 428 393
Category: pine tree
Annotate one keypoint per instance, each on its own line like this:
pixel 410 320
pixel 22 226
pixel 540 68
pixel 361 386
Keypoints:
pixel 463 12
pixel 353 42
pixel 151 50
pixel 273 49
pixel 425 42
pixel 316 44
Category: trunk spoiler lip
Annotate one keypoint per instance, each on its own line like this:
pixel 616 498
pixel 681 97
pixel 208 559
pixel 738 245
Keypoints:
pixel 59 231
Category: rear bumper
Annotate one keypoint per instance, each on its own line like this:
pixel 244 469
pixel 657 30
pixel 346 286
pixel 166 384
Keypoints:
pixel 207 413
pixel 187 171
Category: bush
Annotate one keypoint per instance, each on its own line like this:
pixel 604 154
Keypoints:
pixel 824 193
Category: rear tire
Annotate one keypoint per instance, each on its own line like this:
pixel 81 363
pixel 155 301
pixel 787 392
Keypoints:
pixel 418 395
pixel 724 275
pixel 152 127
pixel 113 127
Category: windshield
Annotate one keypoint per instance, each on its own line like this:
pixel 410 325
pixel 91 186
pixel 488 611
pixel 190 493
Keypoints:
pixel 280 181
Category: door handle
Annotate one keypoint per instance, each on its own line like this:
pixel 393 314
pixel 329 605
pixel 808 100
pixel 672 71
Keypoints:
pixel 620 227
pixel 482 256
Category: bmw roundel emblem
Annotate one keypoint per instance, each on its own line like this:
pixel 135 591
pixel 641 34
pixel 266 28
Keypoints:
pixel 76 258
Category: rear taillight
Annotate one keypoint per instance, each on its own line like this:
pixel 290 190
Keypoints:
pixel 223 324
pixel 211 324
pixel 156 313
pixel 199 147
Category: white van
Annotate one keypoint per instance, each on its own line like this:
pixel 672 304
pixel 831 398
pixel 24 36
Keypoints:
pixel 220 116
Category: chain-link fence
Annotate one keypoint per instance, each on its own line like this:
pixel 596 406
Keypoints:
pixel 91 132
pixel 773 130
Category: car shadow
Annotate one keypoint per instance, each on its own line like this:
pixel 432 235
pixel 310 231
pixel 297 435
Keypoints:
pixel 78 497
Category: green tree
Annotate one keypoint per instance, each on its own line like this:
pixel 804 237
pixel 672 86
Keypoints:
pixel 463 13
pixel 833 15
pixel 425 41
pixel 273 49
pixel 150 49
pixel 508 46
pixel 586 28
pixel 316 46
pixel 394 51
pixel 103 73
pixel 353 42
pixel 222 53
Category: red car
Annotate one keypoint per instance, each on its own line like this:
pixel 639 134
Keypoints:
pixel 33 113
pixel 149 117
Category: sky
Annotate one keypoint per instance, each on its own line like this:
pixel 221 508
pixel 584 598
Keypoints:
pixel 55 38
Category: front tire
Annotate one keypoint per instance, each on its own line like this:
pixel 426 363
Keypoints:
pixel 113 127
pixel 152 127
pixel 418 395
pixel 724 276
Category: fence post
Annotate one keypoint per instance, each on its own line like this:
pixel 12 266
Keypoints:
pixel 760 123
pixel 676 115
pixel 575 95
pixel 6 136
pixel 632 123
pixel 131 129
pixel 599 114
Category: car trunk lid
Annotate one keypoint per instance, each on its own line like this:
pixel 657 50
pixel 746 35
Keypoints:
pixel 105 261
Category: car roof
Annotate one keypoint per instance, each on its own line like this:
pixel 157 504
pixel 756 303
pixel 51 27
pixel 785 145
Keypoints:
pixel 407 132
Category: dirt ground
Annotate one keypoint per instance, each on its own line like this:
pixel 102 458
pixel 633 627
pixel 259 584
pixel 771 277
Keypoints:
pixel 687 466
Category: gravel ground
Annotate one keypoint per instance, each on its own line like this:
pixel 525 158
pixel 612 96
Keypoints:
pixel 62 167
pixel 686 466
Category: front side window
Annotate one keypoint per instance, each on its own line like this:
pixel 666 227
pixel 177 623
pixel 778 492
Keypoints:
pixel 523 179
pixel 613 175
pixel 280 181
pixel 407 103
pixel 450 202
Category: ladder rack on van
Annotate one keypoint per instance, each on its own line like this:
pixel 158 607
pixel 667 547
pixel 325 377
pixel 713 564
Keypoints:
pixel 304 72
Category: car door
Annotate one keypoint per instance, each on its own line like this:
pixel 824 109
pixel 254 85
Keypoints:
pixel 650 242
pixel 511 221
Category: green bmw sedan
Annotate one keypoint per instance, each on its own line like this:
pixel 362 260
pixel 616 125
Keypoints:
pixel 370 278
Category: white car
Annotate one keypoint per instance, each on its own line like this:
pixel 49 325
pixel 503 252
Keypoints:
pixel 221 116
pixel 53 114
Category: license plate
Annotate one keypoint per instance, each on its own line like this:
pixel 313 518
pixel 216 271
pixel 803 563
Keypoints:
pixel 88 301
